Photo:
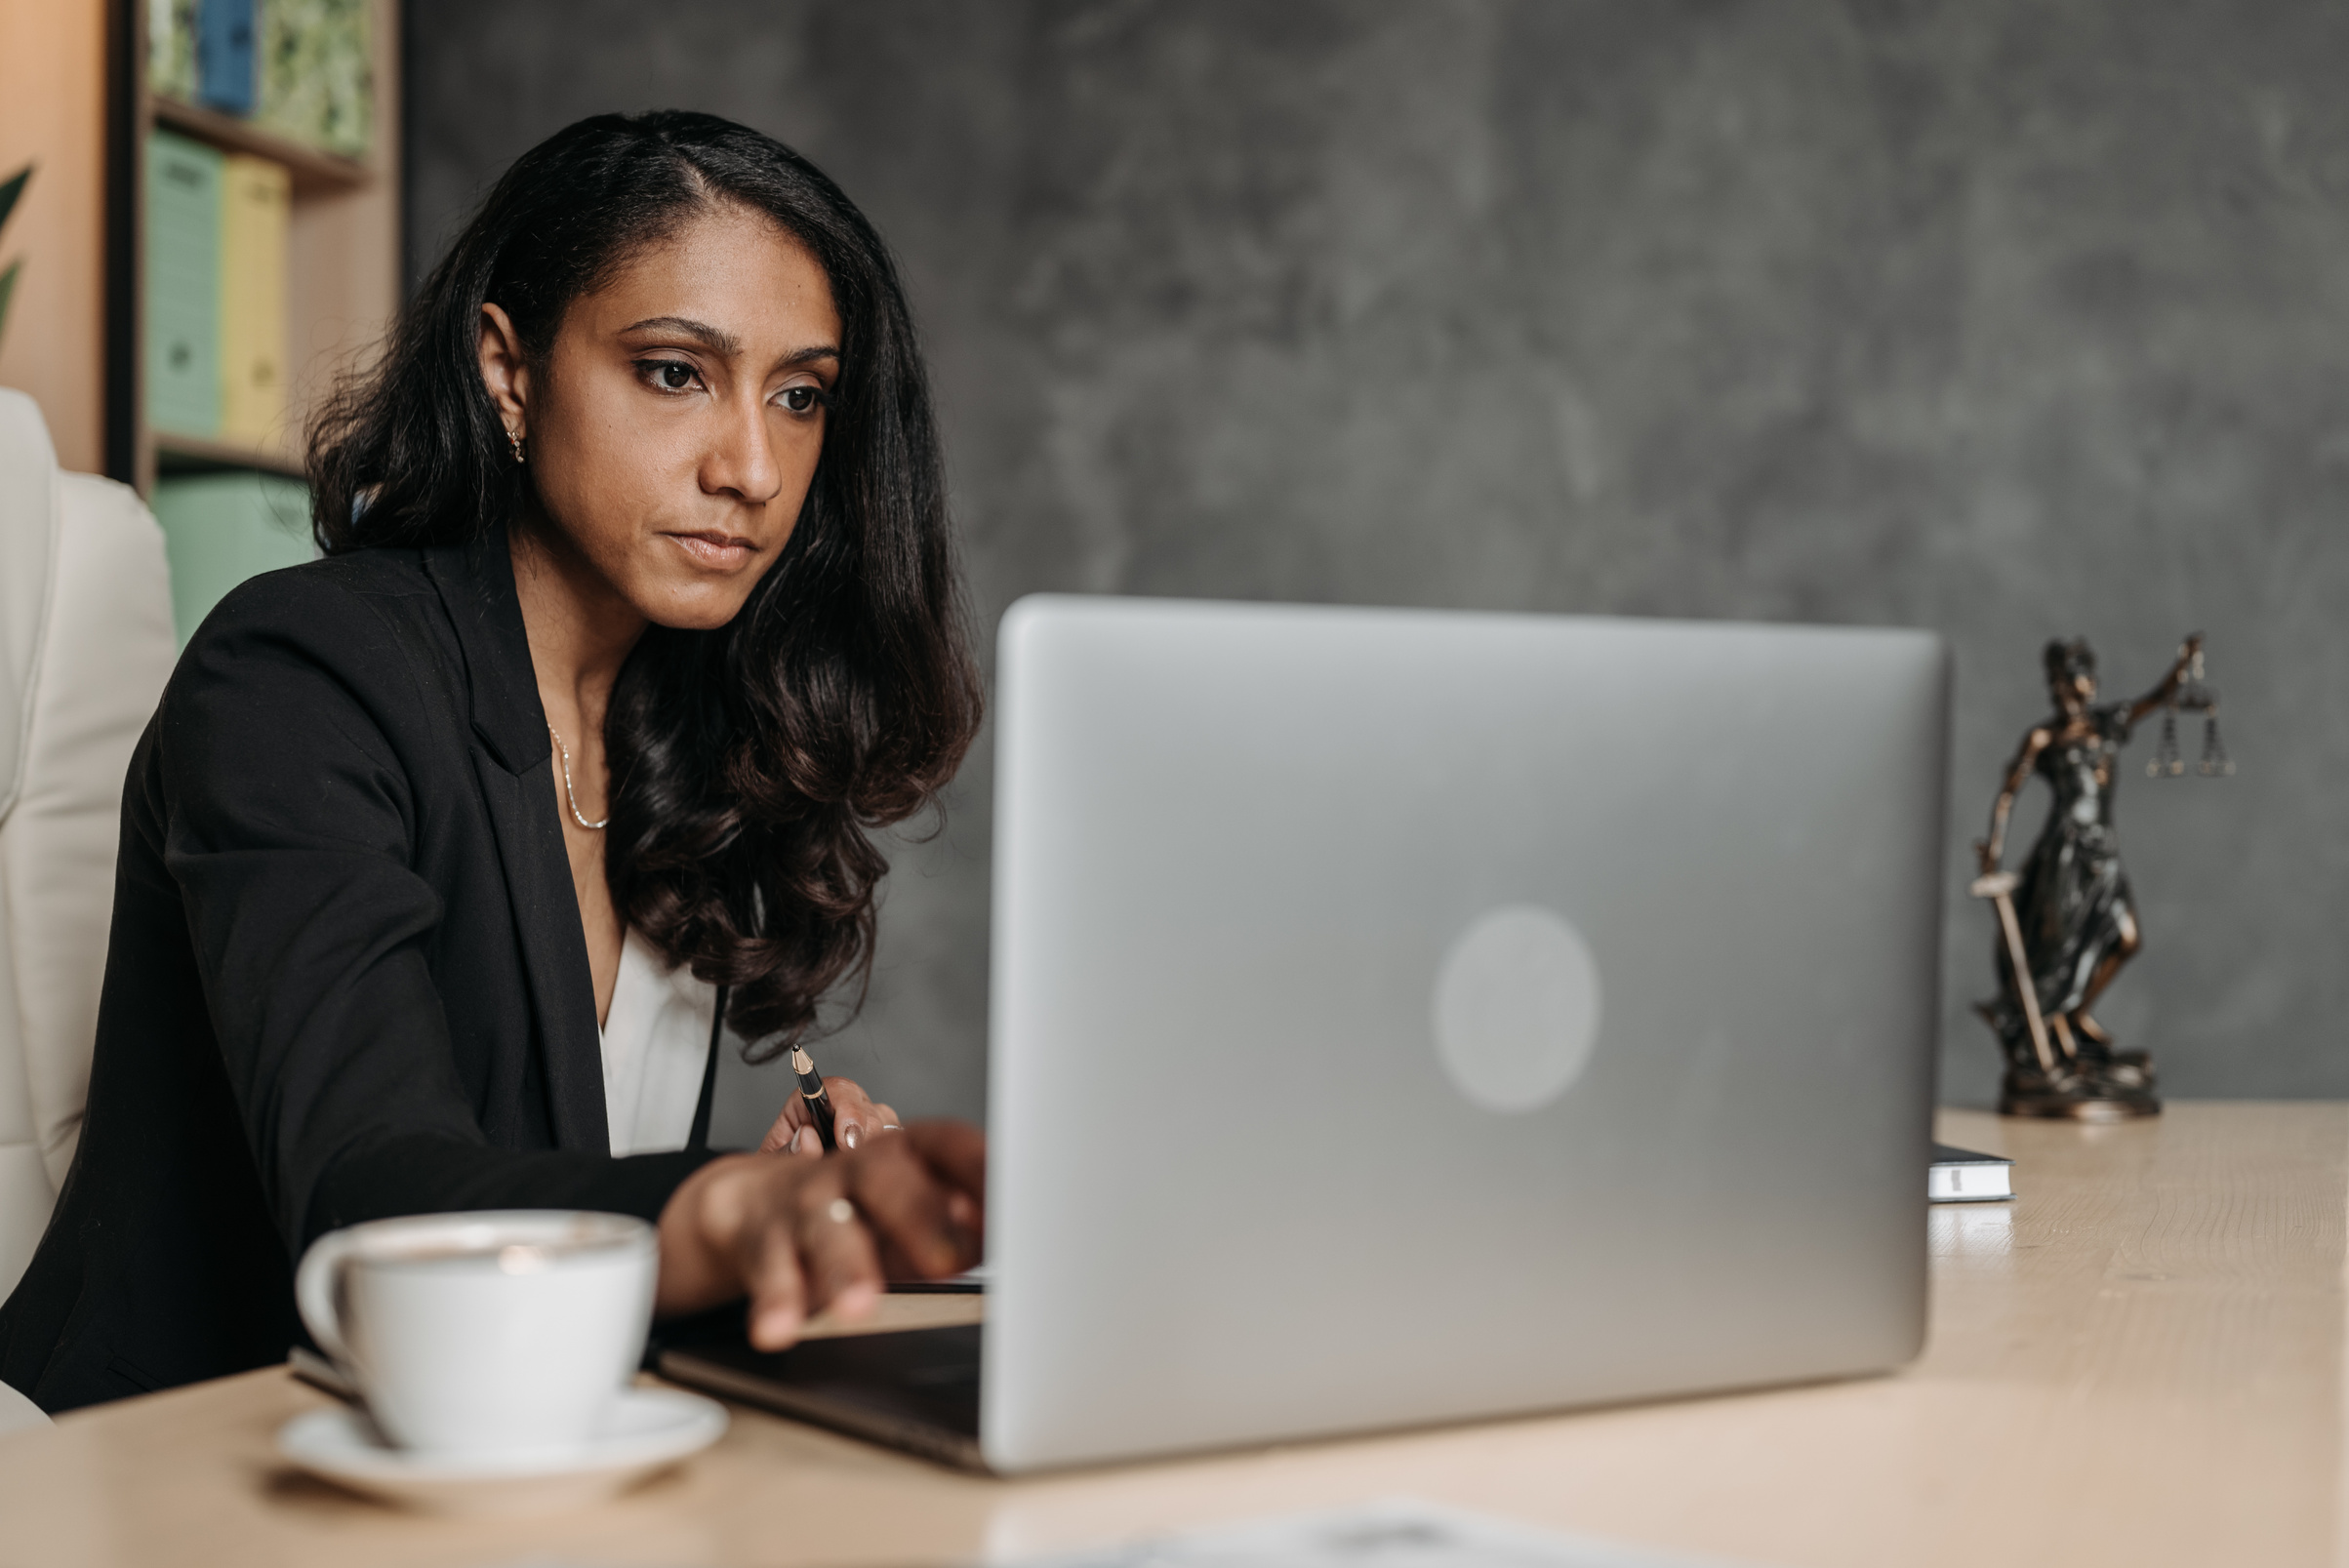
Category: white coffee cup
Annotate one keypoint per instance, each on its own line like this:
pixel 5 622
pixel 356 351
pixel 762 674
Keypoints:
pixel 504 1333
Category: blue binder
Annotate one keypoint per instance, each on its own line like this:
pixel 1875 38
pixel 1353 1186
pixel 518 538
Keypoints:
pixel 228 32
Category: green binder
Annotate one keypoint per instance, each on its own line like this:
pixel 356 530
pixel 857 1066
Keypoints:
pixel 182 285
pixel 317 73
pixel 220 529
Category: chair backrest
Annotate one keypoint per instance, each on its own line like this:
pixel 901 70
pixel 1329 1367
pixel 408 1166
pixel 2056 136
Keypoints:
pixel 85 648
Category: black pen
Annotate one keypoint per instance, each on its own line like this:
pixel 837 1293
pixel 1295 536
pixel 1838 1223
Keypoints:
pixel 811 1090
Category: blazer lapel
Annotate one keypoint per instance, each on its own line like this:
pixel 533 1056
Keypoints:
pixel 515 763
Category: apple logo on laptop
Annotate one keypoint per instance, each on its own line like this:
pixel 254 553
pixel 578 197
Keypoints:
pixel 1517 1007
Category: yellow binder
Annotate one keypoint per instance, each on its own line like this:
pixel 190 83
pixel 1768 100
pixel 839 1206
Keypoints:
pixel 256 197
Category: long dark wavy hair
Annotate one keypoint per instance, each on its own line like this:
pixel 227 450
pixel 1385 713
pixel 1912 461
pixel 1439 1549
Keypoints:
pixel 750 763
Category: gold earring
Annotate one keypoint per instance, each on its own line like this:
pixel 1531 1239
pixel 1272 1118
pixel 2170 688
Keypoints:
pixel 514 438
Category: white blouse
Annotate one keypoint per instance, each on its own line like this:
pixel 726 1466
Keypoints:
pixel 656 1041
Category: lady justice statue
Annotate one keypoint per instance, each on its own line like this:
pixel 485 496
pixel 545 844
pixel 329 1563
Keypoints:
pixel 2067 919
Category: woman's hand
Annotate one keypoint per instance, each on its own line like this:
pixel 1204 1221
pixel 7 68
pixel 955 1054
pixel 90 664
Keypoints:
pixel 856 1120
pixel 800 1235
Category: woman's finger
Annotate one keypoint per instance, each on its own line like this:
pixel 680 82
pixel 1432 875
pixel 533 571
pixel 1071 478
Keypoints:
pixel 794 1131
pixel 844 1272
pixel 852 1109
pixel 788 1121
pixel 956 1150
pixel 911 1211
pixel 770 1268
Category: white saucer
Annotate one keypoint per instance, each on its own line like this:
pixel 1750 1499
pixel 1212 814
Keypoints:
pixel 645 1429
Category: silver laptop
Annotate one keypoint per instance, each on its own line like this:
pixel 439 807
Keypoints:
pixel 1405 1017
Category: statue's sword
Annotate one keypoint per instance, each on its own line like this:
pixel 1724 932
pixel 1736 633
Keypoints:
pixel 1999 887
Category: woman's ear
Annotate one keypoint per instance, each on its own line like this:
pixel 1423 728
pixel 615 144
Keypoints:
pixel 503 371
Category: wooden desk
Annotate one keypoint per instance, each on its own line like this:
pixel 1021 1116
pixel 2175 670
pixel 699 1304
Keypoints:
pixel 2141 1362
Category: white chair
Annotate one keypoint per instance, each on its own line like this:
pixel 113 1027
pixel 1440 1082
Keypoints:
pixel 84 647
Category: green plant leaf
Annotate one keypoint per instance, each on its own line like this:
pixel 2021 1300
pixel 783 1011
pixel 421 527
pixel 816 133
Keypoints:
pixel 10 191
pixel 8 286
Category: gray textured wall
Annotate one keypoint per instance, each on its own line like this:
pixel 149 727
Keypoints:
pixel 2005 318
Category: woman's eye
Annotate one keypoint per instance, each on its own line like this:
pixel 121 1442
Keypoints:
pixel 802 399
pixel 670 375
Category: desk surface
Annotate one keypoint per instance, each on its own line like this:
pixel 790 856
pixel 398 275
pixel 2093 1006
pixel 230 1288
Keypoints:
pixel 2140 1361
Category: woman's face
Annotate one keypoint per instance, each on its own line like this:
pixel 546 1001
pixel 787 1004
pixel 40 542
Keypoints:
pixel 674 425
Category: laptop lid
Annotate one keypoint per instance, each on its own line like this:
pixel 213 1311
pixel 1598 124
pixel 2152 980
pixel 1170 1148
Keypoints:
pixel 1406 1015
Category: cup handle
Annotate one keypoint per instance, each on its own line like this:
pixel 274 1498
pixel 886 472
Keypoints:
pixel 314 1285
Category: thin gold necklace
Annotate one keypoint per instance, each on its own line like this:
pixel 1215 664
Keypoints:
pixel 570 794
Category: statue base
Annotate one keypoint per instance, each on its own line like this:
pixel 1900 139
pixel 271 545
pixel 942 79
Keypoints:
pixel 2062 1096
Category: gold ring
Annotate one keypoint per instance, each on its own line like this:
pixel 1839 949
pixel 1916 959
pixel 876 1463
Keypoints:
pixel 840 1211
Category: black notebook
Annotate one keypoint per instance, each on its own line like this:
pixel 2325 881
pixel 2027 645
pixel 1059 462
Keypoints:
pixel 915 1390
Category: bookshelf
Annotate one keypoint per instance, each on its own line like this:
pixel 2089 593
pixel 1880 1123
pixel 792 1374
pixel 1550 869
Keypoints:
pixel 343 281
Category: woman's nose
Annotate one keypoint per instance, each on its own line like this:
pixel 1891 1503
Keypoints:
pixel 742 460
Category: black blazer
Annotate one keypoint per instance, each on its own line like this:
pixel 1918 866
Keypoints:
pixel 346 979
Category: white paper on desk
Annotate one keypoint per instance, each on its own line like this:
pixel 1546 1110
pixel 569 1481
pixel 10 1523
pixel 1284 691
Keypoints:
pixel 1393 1533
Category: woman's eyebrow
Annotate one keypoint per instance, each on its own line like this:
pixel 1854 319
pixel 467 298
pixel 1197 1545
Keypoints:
pixel 720 341
pixel 715 338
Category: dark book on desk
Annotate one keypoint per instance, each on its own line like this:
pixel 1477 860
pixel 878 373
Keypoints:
pixel 1961 1176
pixel 913 1389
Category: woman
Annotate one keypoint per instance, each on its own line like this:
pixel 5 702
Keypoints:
pixel 637 612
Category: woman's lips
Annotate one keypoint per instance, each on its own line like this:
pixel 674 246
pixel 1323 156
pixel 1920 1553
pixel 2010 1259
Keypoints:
pixel 715 550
